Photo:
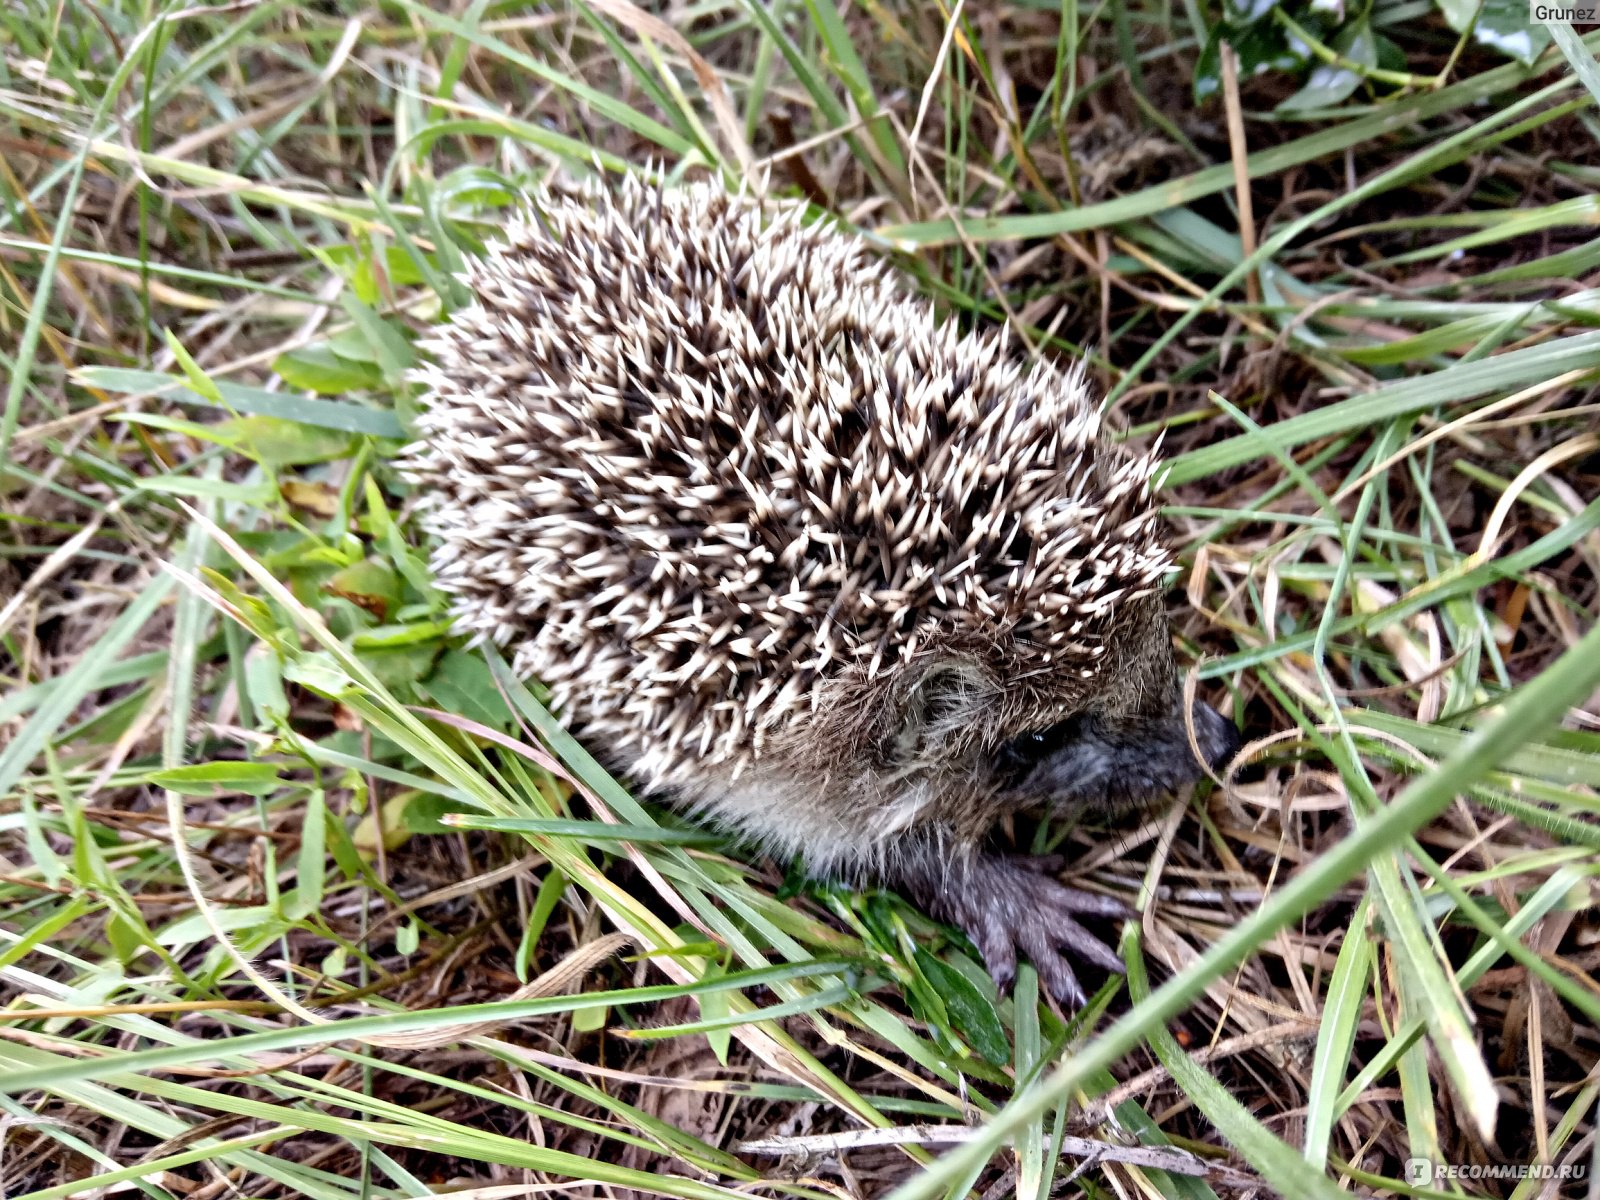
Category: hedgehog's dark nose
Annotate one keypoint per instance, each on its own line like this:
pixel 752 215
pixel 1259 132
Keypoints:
pixel 1217 736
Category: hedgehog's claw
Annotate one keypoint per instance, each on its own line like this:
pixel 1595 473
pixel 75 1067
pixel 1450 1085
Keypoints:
pixel 1049 942
pixel 1005 905
pixel 1048 932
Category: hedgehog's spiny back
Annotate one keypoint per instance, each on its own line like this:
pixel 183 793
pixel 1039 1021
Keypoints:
pixel 689 460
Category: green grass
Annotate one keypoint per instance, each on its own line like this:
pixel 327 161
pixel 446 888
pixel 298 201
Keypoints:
pixel 299 896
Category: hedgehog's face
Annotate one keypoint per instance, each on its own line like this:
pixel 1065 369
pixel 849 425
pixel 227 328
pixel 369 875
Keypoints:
pixel 1120 743
pixel 1106 760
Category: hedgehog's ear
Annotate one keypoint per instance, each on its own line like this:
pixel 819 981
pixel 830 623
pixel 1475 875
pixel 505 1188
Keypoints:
pixel 935 701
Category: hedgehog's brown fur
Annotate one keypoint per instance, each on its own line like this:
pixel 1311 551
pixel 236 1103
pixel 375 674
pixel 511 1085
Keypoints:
pixel 782 546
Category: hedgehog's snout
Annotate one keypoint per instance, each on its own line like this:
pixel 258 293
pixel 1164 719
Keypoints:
pixel 1101 760
pixel 1219 738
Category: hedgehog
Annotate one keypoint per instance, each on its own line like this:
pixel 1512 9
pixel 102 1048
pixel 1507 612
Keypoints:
pixel 793 555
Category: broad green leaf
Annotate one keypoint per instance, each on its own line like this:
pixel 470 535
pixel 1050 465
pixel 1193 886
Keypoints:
pixel 391 348
pixel 399 265
pixel 319 368
pixel 193 928
pixel 1329 83
pixel 1259 47
pixel 424 812
pixel 279 443
pixel 462 684
pixel 403 665
pixel 219 778
pixel 371 584
pixel 970 1011
pixel 407 938
pixel 1503 25
pixel 322 673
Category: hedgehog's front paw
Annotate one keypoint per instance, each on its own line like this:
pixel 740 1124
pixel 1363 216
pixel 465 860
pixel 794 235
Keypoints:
pixel 1005 905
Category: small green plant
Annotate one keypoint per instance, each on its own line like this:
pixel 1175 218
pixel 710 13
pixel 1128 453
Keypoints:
pixel 1341 49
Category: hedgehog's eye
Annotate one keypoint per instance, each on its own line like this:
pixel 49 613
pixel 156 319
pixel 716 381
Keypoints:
pixel 1038 744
